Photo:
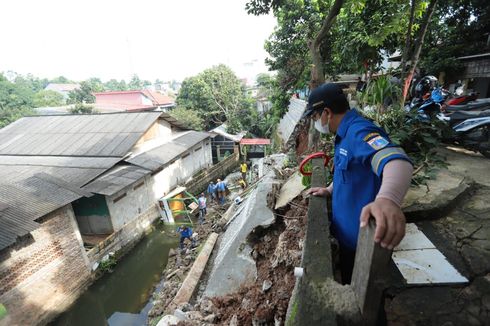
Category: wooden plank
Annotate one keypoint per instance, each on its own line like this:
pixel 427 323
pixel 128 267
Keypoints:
pixel 310 308
pixel 370 270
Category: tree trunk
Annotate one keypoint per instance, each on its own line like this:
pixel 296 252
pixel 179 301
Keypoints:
pixel 317 71
pixel 414 58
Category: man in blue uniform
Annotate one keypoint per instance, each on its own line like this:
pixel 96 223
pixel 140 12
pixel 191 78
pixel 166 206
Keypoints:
pixel 371 174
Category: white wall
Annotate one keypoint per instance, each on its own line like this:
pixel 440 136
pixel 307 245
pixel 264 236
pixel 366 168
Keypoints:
pixel 129 207
pixel 137 201
pixel 181 170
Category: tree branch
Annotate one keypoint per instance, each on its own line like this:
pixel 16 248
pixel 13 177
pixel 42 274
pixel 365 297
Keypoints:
pixel 327 23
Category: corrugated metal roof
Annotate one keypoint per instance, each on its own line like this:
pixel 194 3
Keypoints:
pixel 116 179
pixel 291 119
pixel 221 130
pixel 97 135
pixel 27 196
pixel 163 154
pixel 60 161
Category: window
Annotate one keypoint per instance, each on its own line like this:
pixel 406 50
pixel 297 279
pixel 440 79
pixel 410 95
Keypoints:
pixel 198 149
pixel 118 198
pixel 139 185
pixel 185 155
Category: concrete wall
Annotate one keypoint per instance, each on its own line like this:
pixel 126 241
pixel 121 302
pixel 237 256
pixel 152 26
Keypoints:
pixel 126 236
pixel 200 181
pixel 181 170
pixel 42 275
pixel 128 203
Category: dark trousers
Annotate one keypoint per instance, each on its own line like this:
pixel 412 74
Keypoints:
pixel 346 259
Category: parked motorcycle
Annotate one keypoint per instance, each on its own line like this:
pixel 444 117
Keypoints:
pixel 476 105
pixel 462 99
pixel 471 130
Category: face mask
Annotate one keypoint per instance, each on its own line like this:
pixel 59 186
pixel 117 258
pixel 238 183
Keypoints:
pixel 323 129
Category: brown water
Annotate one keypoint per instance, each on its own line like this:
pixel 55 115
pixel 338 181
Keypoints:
pixel 122 297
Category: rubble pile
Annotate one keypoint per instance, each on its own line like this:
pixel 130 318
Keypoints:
pixel 276 251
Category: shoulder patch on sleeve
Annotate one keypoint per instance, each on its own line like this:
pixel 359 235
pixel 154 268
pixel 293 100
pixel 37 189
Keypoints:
pixel 371 135
pixel 378 142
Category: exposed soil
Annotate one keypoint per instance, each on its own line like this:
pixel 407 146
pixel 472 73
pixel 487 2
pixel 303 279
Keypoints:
pixel 276 250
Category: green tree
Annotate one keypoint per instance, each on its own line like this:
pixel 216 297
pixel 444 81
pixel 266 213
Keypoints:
pixel 95 84
pixel 15 101
pixel 218 95
pixel 48 98
pixel 114 85
pixel 81 95
pixel 135 83
pixel 81 108
pixel 190 117
pixel 61 80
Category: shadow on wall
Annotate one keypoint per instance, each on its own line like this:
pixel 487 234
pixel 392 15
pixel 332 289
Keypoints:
pixel 44 276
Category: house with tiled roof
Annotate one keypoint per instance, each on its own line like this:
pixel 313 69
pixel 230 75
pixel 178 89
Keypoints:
pixel 139 100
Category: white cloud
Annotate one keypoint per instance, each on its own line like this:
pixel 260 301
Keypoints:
pixel 113 39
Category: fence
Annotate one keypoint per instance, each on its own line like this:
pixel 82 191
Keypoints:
pixel 319 300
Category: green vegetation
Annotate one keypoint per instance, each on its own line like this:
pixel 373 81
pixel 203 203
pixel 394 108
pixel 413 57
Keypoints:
pixel 188 116
pixel 217 95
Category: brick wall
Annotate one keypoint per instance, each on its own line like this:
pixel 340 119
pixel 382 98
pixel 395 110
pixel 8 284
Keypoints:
pixel 128 235
pixel 43 274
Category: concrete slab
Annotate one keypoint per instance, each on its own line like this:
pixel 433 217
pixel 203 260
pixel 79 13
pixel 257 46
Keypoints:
pixel 414 239
pixel 420 262
pixel 438 194
pixel 291 189
pixel 426 266
pixel 234 265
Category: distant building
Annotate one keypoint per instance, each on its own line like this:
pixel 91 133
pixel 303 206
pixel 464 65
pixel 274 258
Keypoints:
pixel 63 89
pixel 75 188
pixel 224 143
pixel 142 100
pixel 476 75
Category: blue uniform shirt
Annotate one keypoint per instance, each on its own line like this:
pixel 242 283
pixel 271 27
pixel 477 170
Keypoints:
pixel 362 149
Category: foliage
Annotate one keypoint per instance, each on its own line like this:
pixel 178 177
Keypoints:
pixel 81 95
pixel 458 28
pixel 47 98
pixel 108 264
pixel 114 85
pixel 188 116
pixel 136 83
pixel 15 101
pixel 419 139
pixel 218 96
pixel 381 93
pixel 81 108
pixel 95 84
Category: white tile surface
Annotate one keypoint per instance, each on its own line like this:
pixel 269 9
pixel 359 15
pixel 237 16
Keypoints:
pixel 420 262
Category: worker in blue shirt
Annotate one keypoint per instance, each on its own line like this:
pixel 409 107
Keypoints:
pixel 371 174
pixel 212 192
pixel 185 233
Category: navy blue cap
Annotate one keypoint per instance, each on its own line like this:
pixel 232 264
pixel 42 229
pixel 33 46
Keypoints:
pixel 326 95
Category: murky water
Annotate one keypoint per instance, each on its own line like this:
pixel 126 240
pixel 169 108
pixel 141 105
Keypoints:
pixel 121 298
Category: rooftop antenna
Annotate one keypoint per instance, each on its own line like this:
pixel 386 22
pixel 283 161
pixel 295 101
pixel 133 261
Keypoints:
pixel 130 57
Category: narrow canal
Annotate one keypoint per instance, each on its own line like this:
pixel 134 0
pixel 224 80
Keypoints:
pixel 122 297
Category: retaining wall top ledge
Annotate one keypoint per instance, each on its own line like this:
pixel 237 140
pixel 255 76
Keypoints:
pixel 439 193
